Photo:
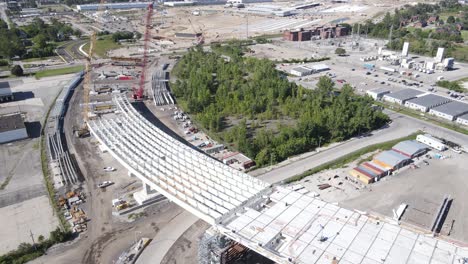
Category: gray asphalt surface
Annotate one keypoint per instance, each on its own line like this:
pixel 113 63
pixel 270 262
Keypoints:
pixel 401 126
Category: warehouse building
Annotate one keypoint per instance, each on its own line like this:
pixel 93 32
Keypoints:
pixel 94 7
pixel 431 142
pixel 309 69
pixel 463 119
pixel 378 93
pixel 301 71
pixel 410 148
pixel 391 160
pixel 5 92
pixel 369 172
pixel 400 97
pixel 426 102
pixel 450 111
pixel 362 175
pixel 12 128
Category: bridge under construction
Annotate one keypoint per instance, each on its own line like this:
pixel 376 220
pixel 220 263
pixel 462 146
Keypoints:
pixel 281 224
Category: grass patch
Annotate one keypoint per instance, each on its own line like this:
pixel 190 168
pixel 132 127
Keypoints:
pixel 464 34
pixel 460 52
pixel 416 114
pixel 340 162
pixel 103 45
pixel 135 216
pixel 54 72
pixel 41 59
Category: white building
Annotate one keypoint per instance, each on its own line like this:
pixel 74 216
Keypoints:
pixel 309 69
pixel 400 97
pixel 94 7
pixel 450 111
pixel 378 93
pixel 431 142
pixel 426 102
pixel 301 71
pixel 463 119
pixel 12 128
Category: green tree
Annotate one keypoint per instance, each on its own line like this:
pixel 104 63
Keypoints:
pixel 450 20
pixel 340 51
pixel 17 70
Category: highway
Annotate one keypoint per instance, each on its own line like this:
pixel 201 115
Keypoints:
pixel 401 126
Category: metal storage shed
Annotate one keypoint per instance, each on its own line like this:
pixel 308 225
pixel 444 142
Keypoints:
pixel 400 97
pixel 12 128
pixel 391 159
pixel 426 102
pixel 410 148
pixel 450 111
pixel 361 175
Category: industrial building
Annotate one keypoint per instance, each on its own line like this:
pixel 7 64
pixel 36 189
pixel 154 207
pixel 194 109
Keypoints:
pixel 463 119
pixel 315 33
pixel 400 97
pixel 391 159
pixel 426 102
pixel 431 142
pixel 309 69
pixel 378 93
pixel 5 92
pixel 387 161
pixel 269 10
pixel 301 71
pixel 130 5
pixel 450 111
pixel 410 148
pixel 12 128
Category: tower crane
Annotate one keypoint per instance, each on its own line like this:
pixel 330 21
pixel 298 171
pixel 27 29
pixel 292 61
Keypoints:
pixel 138 94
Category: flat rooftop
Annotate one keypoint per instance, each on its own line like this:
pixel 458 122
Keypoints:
pixel 5 89
pixel 430 100
pixel 299 228
pixel 464 117
pixel 404 94
pixel 379 90
pixel 452 108
pixel 11 122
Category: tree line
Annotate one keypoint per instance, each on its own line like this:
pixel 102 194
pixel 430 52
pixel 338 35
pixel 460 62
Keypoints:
pixel 422 41
pixel 39 37
pixel 248 103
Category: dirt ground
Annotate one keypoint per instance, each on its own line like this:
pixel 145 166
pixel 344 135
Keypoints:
pixel 185 249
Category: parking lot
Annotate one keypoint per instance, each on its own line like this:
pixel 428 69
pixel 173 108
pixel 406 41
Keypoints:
pixel 23 197
pixel 423 190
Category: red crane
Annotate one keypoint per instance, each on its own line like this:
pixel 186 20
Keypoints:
pixel 138 94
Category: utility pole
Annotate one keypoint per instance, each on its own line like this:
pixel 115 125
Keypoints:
pixel 32 238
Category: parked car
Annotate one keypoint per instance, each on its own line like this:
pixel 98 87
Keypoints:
pixel 109 169
pixel 104 184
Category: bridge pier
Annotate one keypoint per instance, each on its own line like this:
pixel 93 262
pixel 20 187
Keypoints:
pixel 146 194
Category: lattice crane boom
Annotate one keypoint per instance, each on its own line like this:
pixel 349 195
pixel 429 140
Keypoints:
pixel 148 24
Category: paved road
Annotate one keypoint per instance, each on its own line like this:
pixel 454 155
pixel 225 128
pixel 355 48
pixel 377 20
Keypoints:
pixel 401 126
pixel 166 237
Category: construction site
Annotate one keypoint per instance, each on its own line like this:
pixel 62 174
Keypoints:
pixel 139 181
